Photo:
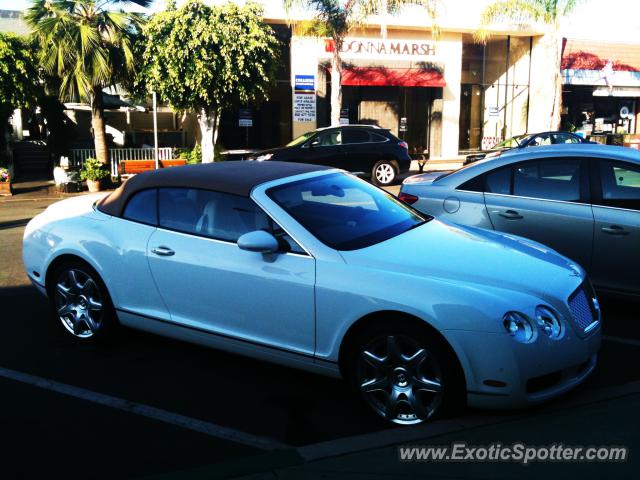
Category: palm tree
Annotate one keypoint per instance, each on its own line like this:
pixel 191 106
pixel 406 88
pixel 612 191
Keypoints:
pixel 336 18
pixel 549 13
pixel 88 45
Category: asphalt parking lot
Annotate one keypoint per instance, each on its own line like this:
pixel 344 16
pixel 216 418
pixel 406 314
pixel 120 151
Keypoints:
pixel 145 405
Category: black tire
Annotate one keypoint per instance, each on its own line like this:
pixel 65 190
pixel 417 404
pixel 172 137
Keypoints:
pixel 96 325
pixel 443 368
pixel 384 173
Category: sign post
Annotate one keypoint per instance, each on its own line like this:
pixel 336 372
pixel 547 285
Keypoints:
pixel 304 99
pixel 245 119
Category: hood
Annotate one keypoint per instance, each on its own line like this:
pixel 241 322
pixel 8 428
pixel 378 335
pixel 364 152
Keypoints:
pixel 81 205
pixel 473 255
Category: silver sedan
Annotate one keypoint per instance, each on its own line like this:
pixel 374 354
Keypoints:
pixel 581 200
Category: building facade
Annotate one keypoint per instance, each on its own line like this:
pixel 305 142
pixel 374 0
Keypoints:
pixel 443 96
pixel 601 89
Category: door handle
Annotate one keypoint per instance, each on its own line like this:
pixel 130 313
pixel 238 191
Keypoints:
pixel 163 251
pixel 615 230
pixel 510 215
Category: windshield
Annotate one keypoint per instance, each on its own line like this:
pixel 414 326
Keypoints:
pixel 344 212
pixel 301 139
pixel 512 142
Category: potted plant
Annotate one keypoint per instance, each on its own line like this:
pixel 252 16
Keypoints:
pixel 5 181
pixel 93 171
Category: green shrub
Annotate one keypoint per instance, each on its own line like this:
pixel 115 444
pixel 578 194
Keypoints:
pixel 93 170
pixel 191 155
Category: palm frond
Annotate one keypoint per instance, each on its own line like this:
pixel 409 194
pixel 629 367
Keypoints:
pixel 88 44
pixel 518 12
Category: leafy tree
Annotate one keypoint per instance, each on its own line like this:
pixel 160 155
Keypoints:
pixel 207 59
pixel 19 86
pixel 88 44
pixel 336 18
pixel 548 13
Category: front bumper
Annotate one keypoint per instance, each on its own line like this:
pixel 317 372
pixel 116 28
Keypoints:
pixel 532 373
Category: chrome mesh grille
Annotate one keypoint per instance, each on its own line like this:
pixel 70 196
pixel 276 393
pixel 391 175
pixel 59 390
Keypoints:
pixel 582 308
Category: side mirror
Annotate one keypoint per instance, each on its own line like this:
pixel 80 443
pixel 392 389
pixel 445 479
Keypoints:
pixel 314 143
pixel 258 241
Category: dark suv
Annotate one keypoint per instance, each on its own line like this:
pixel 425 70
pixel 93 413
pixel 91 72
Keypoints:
pixel 366 149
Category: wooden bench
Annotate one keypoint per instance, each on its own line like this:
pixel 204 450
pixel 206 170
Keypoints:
pixel 128 168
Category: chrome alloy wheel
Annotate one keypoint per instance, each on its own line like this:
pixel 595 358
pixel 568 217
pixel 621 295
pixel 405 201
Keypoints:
pixel 401 380
pixel 78 303
pixel 384 173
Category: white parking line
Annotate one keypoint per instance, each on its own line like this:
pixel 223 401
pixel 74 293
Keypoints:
pixel 207 428
pixel 624 341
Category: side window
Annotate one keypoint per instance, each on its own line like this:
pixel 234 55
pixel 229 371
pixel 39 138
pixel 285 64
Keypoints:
pixel 377 138
pixel 499 181
pixel 540 140
pixel 564 138
pixel 620 184
pixel 354 135
pixel 178 209
pixel 143 207
pixel 553 179
pixel 216 215
pixel 328 139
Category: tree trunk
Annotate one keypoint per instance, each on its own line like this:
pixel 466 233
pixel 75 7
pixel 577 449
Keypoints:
pixel 336 82
pixel 209 123
pixel 97 124
pixel 557 94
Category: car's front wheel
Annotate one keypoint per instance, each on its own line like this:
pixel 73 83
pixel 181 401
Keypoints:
pixel 404 375
pixel 383 173
pixel 80 302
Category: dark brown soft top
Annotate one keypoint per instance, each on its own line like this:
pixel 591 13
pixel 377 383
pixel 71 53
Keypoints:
pixel 235 177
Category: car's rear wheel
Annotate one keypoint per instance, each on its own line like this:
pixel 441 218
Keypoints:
pixel 383 173
pixel 80 302
pixel 404 375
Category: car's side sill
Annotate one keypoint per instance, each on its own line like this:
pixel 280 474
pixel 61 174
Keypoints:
pixel 229 344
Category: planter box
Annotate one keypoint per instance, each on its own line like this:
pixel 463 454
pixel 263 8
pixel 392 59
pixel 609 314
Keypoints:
pixel 94 185
pixel 5 188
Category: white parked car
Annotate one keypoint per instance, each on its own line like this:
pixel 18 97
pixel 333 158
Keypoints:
pixel 314 268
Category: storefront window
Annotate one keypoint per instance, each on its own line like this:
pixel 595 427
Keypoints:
pixel 494 101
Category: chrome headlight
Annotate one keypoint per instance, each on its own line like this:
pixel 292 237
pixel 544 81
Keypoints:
pixel 548 322
pixel 518 326
pixel 266 156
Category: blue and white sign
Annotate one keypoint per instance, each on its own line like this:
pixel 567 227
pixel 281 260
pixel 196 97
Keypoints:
pixel 304 83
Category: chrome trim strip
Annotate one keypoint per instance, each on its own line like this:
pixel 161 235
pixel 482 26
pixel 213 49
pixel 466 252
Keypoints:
pixel 220 335
pixel 228 242
pixel 534 198
pixel 597 205
pixel 468 191
pixel 591 327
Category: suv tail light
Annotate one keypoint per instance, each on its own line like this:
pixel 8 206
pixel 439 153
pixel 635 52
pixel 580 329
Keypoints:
pixel 407 198
pixel 404 145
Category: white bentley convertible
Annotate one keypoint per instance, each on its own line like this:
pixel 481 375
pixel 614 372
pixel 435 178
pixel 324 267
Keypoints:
pixel 313 268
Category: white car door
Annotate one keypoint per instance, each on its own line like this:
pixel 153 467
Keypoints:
pixel 208 283
pixel 125 265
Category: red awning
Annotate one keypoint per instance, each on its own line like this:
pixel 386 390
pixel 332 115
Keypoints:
pixel 594 55
pixel 392 77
